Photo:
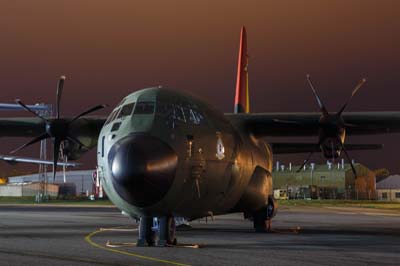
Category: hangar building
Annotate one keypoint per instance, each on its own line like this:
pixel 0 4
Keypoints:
pixel 82 180
pixel 325 181
pixel 26 189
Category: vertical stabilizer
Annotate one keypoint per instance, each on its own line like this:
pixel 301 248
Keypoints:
pixel 242 102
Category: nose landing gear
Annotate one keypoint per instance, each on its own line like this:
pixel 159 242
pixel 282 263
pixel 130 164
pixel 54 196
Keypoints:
pixel 162 235
pixel 147 237
pixel 166 231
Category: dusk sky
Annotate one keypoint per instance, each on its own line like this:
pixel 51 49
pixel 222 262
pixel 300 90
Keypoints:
pixel 108 49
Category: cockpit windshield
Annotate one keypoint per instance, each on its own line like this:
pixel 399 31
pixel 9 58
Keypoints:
pixel 126 110
pixel 144 108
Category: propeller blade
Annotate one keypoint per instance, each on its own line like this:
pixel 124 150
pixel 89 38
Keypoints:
pixel 37 139
pixel 76 141
pixel 60 86
pixel 305 161
pixel 56 154
pixel 317 98
pixel 309 156
pixel 348 158
pixel 97 107
pixel 359 85
pixel 18 101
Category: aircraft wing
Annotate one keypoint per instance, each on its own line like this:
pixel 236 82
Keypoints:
pixel 307 124
pixel 85 129
pixel 17 159
pixel 21 127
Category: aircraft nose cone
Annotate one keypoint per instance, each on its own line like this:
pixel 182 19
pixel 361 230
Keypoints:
pixel 143 169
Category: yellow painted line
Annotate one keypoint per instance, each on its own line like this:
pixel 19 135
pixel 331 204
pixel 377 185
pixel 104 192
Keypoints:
pixel 88 239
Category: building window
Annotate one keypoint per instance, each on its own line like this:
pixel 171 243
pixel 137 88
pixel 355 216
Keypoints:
pixel 384 195
pixel 397 195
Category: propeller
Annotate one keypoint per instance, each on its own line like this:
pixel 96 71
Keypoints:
pixel 332 126
pixel 56 128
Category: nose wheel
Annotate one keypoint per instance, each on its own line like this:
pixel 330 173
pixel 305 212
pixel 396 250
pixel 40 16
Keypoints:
pixel 166 228
pixel 147 237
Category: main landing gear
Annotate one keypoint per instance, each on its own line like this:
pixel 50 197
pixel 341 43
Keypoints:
pixel 263 217
pixel 160 233
pixel 260 219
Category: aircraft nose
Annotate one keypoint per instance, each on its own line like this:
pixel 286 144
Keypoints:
pixel 143 169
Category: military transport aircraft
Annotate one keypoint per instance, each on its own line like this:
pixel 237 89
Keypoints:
pixel 163 153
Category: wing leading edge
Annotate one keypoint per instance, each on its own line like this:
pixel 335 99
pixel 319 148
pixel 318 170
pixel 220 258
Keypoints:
pixel 307 124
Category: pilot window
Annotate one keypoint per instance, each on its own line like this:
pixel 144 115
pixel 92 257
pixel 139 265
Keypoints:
pixel 114 115
pixel 195 117
pixel 110 117
pixel 179 114
pixel 144 108
pixel 115 126
pixel 126 110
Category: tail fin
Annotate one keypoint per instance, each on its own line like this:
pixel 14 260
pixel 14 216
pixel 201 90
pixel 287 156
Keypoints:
pixel 242 102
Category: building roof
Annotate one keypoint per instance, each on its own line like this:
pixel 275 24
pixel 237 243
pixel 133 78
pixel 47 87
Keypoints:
pixel 390 182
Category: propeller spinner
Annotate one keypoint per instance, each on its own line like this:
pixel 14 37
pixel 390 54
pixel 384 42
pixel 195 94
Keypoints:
pixel 56 128
pixel 332 128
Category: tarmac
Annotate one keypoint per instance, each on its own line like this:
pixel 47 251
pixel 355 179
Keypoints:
pixel 70 235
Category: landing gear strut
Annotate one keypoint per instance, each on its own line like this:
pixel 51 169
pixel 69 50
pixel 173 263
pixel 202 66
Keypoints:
pixel 146 233
pixel 166 231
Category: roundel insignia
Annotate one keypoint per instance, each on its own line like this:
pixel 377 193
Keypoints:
pixel 220 147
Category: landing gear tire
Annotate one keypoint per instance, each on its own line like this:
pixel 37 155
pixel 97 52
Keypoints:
pixel 171 239
pixel 260 221
pixel 167 231
pixel 151 238
pixel 146 234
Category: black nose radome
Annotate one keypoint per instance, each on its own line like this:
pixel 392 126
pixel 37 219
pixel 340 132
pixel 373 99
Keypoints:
pixel 143 169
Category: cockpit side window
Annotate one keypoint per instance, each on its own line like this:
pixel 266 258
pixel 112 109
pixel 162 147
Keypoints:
pixel 111 117
pixel 116 114
pixel 144 108
pixel 126 110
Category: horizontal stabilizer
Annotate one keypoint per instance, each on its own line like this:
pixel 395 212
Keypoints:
pixel 285 148
pixel 17 159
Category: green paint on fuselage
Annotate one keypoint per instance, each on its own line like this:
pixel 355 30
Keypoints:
pixel 216 159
